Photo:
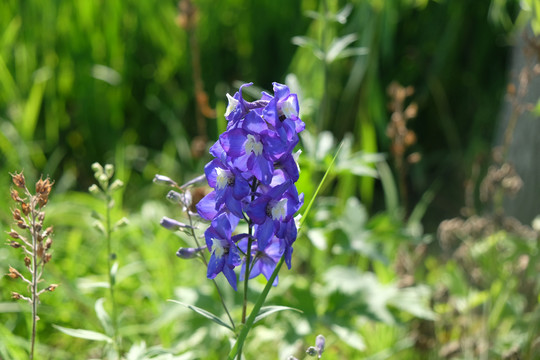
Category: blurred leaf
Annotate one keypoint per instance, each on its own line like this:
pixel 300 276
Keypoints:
pixel 84 334
pixel 414 300
pixel 344 13
pixel 204 313
pixel 107 74
pixel 338 45
pixel 350 52
pixel 137 351
pixel 309 43
pixel 269 310
pixel 318 238
pixel 114 271
pixel 350 337
pixel 9 307
pixel 33 103
pixel 103 317
pixel 391 196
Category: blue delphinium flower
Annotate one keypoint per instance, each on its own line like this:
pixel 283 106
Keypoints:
pixel 253 178
pixel 264 260
pixel 225 255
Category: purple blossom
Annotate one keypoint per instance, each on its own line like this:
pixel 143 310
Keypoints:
pixel 224 254
pixel 264 261
pixel 275 207
pixel 252 176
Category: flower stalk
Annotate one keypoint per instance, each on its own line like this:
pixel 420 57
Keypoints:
pixel 29 217
pixel 105 190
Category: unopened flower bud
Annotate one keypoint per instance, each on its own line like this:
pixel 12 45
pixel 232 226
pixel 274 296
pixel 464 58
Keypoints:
pixel 18 180
pixel 109 170
pixel 189 253
pixel 13 273
pixel 22 224
pixel 48 243
pixel 121 223
pixel 184 198
pixel 27 261
pixel 15 195
pixel 44 187
pixel 320 342
pixel 25 208
pixel 94 189
pixel 117 184
pixel 47 258
pixel 171 224
pixel 14 235
pixel 311 351
pixel 164 180
pixel 52 287
pixel 103 178
pixel 48 231
pixel 16 296
pixel 16 215
pixel 14 244
pixel 98 169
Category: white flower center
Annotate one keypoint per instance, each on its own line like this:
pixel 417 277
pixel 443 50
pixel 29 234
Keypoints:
pixel 288 109
pixel 279 210
pixel 233 103
pixel 253 146
pixel 223 178
pixel 217 248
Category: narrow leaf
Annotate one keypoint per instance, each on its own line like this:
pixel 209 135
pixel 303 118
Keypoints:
pixel 269 310
pixel 205 313
pixel 84 334
pixel 103 317
pixel 306 212
pixel 338 45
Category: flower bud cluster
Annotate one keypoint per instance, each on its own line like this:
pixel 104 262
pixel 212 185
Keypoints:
pixel 31 238
pixel 253 175
pixel 105 189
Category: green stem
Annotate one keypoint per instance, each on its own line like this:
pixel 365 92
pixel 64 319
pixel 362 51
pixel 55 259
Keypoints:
pixel 237 349
pixel 247 271
pixel 111 279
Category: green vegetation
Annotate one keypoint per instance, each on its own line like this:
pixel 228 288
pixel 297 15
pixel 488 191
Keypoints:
pixel 385 267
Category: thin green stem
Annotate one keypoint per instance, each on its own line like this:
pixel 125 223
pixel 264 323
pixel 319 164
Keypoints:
pixel 111 279
pixel 247 271
pixel 221 298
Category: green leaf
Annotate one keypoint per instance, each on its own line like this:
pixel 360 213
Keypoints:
pixel 338 45
pixel 204 313
pixel 304 41
pixel 306 212
pixel 84 334
pixel 269 310
pixel 350 337
pixel 103 317
pixel 114 271
pixel 33 103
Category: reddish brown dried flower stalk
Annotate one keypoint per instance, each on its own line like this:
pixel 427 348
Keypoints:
pixel 29 218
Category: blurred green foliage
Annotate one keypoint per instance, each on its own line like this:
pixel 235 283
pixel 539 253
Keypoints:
pixel 112 81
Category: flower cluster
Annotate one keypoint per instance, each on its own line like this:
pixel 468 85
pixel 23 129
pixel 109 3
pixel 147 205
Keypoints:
pixel 29 217
pixel 253 176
